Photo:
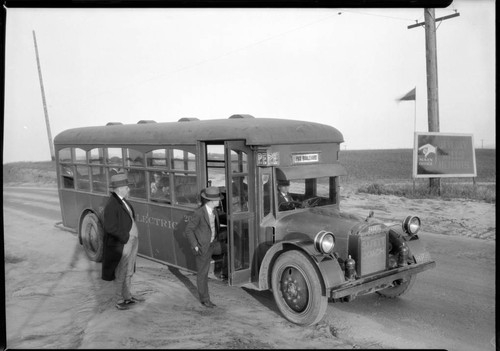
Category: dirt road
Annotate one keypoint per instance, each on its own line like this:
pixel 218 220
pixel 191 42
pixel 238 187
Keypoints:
pixel 56 299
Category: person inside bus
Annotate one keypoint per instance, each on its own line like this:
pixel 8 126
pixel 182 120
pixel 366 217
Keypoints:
pixel 206 239
pixel 285 200
pixel 120 241
pixel 159 187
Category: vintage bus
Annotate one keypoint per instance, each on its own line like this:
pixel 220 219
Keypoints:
pixel 307 252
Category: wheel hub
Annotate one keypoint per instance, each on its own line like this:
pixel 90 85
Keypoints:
pixel 294 289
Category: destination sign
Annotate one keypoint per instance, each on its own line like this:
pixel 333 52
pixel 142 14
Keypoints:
pixel 268 158
pixel 305 158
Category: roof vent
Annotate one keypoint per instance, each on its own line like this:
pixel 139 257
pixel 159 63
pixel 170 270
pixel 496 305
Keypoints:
pixel 114 123
pixel 241 116
pixel 145 121
pixel 188 119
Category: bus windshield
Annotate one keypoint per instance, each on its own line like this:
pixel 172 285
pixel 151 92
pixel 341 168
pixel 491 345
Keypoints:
pixel 307 192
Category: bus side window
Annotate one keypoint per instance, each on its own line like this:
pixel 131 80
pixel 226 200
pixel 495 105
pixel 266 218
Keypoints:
pixel 138 186
pixel 160 186
pixel 82 178
pixel 266 194
pixel 67 176
pixel 185 189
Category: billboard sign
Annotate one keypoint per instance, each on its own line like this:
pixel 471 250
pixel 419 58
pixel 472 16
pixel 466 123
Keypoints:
pixel 443 155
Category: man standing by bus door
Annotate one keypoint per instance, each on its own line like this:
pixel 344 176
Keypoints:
pixel 202 231
pixel 120 241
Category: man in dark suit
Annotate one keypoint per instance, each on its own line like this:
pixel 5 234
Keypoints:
pixel 203 231
pixel 120 241
pixel 285 200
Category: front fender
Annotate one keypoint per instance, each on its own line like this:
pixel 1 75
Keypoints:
pixel 417 249
pixel 330 272
pixel 419 252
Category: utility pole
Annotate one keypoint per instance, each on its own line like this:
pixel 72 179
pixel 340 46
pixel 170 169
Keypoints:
pixel 49 134
pixel 432 79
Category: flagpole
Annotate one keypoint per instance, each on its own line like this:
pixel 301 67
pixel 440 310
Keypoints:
pixel 415 116
pixel 414 130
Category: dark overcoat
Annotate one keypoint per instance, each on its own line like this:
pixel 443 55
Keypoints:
pixel 198 230
pixel 117 225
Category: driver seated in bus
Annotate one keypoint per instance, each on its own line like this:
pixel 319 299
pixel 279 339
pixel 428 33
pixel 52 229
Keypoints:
pixel 285 200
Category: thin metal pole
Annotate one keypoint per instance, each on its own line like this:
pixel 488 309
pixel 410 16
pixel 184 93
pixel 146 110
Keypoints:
pixel 47 123
pixel 415 114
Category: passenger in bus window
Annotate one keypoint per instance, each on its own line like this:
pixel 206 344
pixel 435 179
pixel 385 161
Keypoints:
pixel 120 241
pixel 285 200
pixel 206 239
pixel 159 186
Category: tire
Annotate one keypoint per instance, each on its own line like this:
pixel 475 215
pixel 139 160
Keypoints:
pixel 399 289
pixel 297 289
pixel 92 234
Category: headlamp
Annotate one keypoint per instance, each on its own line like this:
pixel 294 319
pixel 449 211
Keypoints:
pixel 411 225
pixel 324 242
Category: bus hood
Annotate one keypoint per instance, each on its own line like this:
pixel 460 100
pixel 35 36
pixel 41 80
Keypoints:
pixel 303 225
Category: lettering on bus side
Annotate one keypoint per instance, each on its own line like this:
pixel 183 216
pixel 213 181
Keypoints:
pixel 160 222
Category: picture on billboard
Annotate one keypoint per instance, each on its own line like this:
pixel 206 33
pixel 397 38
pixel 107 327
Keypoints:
pixel 443 155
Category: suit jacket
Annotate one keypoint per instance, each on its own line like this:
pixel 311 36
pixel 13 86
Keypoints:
pixel 282 198
pixel 198 230
pixel 117 225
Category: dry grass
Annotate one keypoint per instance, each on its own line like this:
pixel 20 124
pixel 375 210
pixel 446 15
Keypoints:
pixel 389 172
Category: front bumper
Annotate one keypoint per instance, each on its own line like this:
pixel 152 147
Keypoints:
pixel 378 281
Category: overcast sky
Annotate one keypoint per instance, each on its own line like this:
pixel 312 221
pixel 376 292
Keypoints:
pixel 341 67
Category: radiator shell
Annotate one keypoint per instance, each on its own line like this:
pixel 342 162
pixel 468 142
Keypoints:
pixel 370 252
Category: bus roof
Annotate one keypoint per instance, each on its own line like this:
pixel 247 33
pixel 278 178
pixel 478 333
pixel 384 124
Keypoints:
pixel 255 131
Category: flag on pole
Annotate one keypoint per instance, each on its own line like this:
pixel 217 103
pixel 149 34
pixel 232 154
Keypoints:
pixel 410 96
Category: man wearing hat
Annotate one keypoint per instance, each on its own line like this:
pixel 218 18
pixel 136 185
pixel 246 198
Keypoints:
pixel 120 241
pixel 285 200
pixel 202 231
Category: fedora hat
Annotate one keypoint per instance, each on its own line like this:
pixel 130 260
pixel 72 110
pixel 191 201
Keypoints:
pixel 283 182
pixel 211 193
pixel 119 180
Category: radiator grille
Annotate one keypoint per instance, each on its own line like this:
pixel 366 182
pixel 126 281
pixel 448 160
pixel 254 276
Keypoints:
pixel 369 252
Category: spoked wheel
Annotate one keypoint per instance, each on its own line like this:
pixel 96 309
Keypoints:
pixel 92 237
pixel 297 289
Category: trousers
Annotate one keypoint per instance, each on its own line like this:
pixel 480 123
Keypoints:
pixel 126 267
pixel 203 266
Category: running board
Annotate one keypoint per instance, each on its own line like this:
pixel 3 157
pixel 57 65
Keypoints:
pixel 62 227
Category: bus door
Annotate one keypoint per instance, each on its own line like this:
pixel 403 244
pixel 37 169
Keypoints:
pixel 240 185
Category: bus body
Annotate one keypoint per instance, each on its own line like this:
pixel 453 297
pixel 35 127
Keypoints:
pixel 308 251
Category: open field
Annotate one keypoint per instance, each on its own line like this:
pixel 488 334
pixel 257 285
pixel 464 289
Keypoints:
pixel 368 171
pixel 395 165
pixel 389 172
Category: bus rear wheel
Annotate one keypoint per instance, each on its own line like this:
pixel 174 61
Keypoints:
pixel 92 235
pixel 297 289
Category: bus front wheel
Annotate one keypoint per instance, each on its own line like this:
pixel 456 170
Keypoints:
pixel 297 289
pixel 92 237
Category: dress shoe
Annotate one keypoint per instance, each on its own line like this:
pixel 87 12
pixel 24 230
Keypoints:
pixel 208 304
pixel 137 299
pixel 122 305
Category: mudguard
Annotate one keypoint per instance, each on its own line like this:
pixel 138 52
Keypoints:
pixel 330 270
pixel 417 249
pixel 419 252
